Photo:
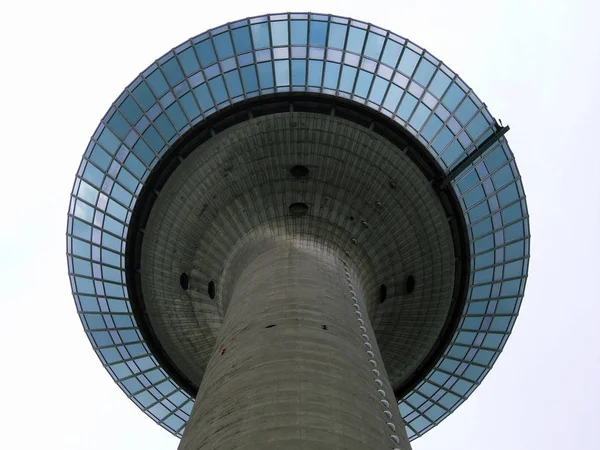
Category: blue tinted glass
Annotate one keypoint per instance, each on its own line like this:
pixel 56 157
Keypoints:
pixel 474 196
pixel 356 39
pixel 502 176
pixel 431 128
pixel 424 72
pixel 508 195
pixel 299 32
pixel 241 40
pixel 317 33
pixel 153 139
pixel 172 71
pixel 483 244
pixel 189 105
pixel 299 72
pixel 93 175
pixel 347 79
pixel 118 125
pixel 249 78
pixel 279 32
pixel 479 211
pixel 408 61
pixel 265 74
pixel 164 126
pixel 234 84
pixel 477 126
pixel 406 106
pixel 218 89
pixel 392 98
pixel 439 84
pixel 206 53
pixel 514 251
pixel 176 115
pixel 374 45
pixel 143 96
pixel 442 140
pixel 157 83
pixel 127 180
pixel 223 45
pixel 452 97
pixel 363 83
pixel 378 90
pixel 130 110
pixel 465 111
pixel 481 228
pixel 203 96
pixel 468 181
pixel 495 159
pixel 419 116
pixel 332 71
pixel 391 53
pixel 315 71
pixel 189 62
pixel 452 153
pixel 282 73
pixel 337 35
pixel 260 35
pixel 135 165
pixel 100 157
pixel 514 231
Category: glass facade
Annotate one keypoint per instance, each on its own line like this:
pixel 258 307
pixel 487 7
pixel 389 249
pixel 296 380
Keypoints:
pixel 323 54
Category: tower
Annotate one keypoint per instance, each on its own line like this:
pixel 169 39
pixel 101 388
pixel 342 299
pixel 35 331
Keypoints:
pixel 298 220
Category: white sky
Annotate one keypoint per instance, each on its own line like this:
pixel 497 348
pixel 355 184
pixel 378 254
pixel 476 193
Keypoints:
pixel 535 63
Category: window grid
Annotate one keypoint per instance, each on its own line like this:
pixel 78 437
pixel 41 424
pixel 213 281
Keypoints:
pixel 175 93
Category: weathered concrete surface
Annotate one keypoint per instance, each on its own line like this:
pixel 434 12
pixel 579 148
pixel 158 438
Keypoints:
pixel 277 379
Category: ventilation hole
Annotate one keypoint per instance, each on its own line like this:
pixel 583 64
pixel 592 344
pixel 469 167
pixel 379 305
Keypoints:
pixel 184 281
pixel 299 171
pixel 211 289
pixel 298 209
pixel 270 326
pixel 382 293
pixel 392 185
pixel 410 284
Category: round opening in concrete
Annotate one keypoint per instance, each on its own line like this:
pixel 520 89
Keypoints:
pixel 299 171
pixel 211 289
pixel 184 281
pixel 382 293
pixel 298 209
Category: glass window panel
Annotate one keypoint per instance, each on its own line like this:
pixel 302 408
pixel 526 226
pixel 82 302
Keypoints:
pixel 234 84
pixel 452 153
pixel 406 106
pixel 500 323
pixel 493 340
pixel 223 45
pixel 408 61
pixel 279 32
pixel 165 127
pixel 453 97
pixel 378 91
pixel 465 111
pixel 189 61
pixel 282 73
pixel 109 257
pixel 442 140
pixel 143 96
pixel 81 248
pixel 363 83
pixel 419 116
pixel 176 116
pixel 424 72
pixel 93 175
pixel 84 211
pixel 217 86
pixel 317 33
pixel 392 98
pixel 315 71
pixel 100 157
pixel 468 181
pixel 127 180
pixel 477 126
pixel 439 84
pixel 337 35
pixel 203 96
pixel 299 32
pixel 241 40
pixel 130 110
pixel 495 159
pixel 298 72
pixel 508 195
pixel 431 127
pixel 249 78
pixel 118 125
pixel 143 151
pixel 189 105
pixel 374 45
pixel 502 176
pixel 260 35
pixel 172 71
pixel 347 79
pixel 391 53
pixel 514 251
pixel 265 74
pixel 332 72
pixel 206 53
pixel 135 165
pixel 356 39
pixel 157 83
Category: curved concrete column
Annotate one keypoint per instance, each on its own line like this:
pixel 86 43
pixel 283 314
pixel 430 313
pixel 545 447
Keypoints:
pixel 296 364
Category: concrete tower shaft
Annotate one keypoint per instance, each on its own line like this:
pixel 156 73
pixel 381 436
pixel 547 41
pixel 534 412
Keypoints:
pixel 296 364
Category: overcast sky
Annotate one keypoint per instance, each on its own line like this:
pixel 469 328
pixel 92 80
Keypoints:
pixel 536 64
